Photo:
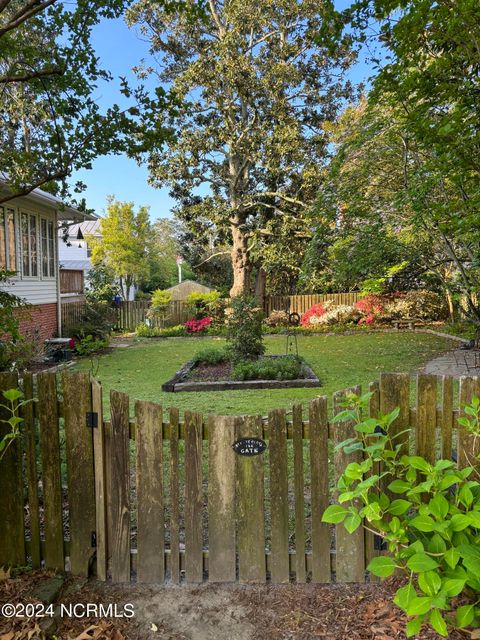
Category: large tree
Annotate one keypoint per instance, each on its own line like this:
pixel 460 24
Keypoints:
pixel 124 244
pixel 254 86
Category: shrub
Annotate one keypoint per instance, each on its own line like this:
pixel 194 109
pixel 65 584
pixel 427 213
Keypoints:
pixel 199 303
pixel 18 354
pixel 216 311
pixel 430 524
pixel 282 368
pixel 312 317
pixel 97 320
pixel 160 305
pixel 277 319
pixel 422 304
pixel 198 326
pixel 340 315
pixel 144 331
pixel 371 307
pixel 90 345
pixel 211 356
pixel 244 329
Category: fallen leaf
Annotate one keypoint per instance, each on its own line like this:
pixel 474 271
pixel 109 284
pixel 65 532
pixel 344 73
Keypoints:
pixel 154 627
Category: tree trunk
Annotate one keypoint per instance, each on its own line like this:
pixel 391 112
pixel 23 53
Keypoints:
pixel 240 261
pixel 260 285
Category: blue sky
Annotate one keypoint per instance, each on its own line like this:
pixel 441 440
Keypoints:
pixel 119 49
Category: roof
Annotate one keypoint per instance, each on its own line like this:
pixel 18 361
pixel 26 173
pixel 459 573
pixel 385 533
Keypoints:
pixel 180 291
pixel 75 265
pixel 89 227
pixel 64 212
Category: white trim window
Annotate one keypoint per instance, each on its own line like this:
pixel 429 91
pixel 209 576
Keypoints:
pixel 8 253
pixel 29 231
pixel 47 247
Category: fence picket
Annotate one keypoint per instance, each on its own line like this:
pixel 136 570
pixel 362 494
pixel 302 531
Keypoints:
pixel 447 417
pixel 80 471
pixel 277 430
pixel 350 556
pixel 174 499
pixel 100 468
pixel 297 425
pixel 32 471
pixel 193 497
pixel 373 412
pixel 250 506
pixel 320 490
pixel 221 499
pixel 150 524
pixel 426 416
pixel 395 392
pixel 119 503
pixel 12 535
pixel 468 447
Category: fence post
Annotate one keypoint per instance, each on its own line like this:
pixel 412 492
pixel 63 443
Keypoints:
pixel 395 392
pixel 350 556
pixel 100 469
pixel 193 497
pixel 426 416
pixel 12 534
pixel 277 431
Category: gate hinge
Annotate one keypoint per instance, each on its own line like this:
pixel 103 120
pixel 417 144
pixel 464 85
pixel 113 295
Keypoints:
pixel 92 419
pixel 93 539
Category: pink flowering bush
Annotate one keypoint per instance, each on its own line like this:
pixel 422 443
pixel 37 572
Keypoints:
pixel 197 326
pixel 372 307
pixel 311 317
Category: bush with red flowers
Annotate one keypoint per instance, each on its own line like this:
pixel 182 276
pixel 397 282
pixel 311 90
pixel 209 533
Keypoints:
pixel 310 318
pixel 371 306
pixel 197 326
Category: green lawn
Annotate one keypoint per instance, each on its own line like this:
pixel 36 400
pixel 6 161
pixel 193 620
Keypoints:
pixel 339 361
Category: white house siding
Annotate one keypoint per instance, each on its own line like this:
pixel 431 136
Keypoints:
pixel 38 289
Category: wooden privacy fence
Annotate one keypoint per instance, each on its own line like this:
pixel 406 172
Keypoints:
pixel 300 304
pixel 158 496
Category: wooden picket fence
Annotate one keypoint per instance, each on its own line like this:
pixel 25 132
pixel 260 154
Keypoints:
pixel 151 495
pixel 300 304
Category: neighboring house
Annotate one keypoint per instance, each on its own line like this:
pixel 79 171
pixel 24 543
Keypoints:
pixel 75 259
pixel 28 247
pixel 182 290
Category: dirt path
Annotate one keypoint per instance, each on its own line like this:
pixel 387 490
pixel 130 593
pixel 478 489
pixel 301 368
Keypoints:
pixel 214 612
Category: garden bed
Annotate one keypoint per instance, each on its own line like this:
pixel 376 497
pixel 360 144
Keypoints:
pixel 196 376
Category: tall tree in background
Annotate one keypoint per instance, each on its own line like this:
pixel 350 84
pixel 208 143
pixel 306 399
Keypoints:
pixel 254 88
pixel 124 244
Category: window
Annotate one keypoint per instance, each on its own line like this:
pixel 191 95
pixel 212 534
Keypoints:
pixel 7 240
pixel 48 248
pixel 29 245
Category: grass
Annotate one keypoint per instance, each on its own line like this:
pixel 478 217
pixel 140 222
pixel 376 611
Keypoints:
pixel 339 361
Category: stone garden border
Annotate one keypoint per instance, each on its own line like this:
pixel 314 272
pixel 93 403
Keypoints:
pixel 175 384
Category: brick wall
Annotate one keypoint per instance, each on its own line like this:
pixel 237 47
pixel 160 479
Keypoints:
pixel 39 322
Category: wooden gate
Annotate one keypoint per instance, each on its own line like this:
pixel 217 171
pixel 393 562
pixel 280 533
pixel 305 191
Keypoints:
pixel 152 495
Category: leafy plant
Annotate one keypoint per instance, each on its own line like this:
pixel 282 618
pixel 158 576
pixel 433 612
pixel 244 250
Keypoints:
pixel 160 305
pixel 198 326
pixel 199 303
pixel 144 331
pixel 244 329
pixel 282 368
pixel 312 316
pixel 11 408
pixel 428 514
pixel 211 356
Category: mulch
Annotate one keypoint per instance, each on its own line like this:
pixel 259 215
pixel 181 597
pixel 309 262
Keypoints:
pixel 334 612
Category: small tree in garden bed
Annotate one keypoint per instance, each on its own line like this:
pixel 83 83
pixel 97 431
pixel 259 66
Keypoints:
pixel 427 513
pixel 160 305
pixel 244 329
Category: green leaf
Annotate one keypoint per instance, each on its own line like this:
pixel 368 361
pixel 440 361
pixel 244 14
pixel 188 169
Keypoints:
pixel 334 514
pixel 352 522
pixel 423 523
pixel 399 506
pixel 459 522
pixel 419 605
pixel 429 582
pixel 12 394
pixel 382 566
pixel 399 486
pixel 438 623
pixel 465 615
pixel 436 544
pixel 439 506
pixel 465 496
pixel 452 557
pixel 420 562
pixel 404 596
pixel 453 586
pixel 413 627
pixel 420 463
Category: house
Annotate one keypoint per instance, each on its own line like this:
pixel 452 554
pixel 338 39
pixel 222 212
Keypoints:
pixel 28 247
pixel 75 259
pixel 182 290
